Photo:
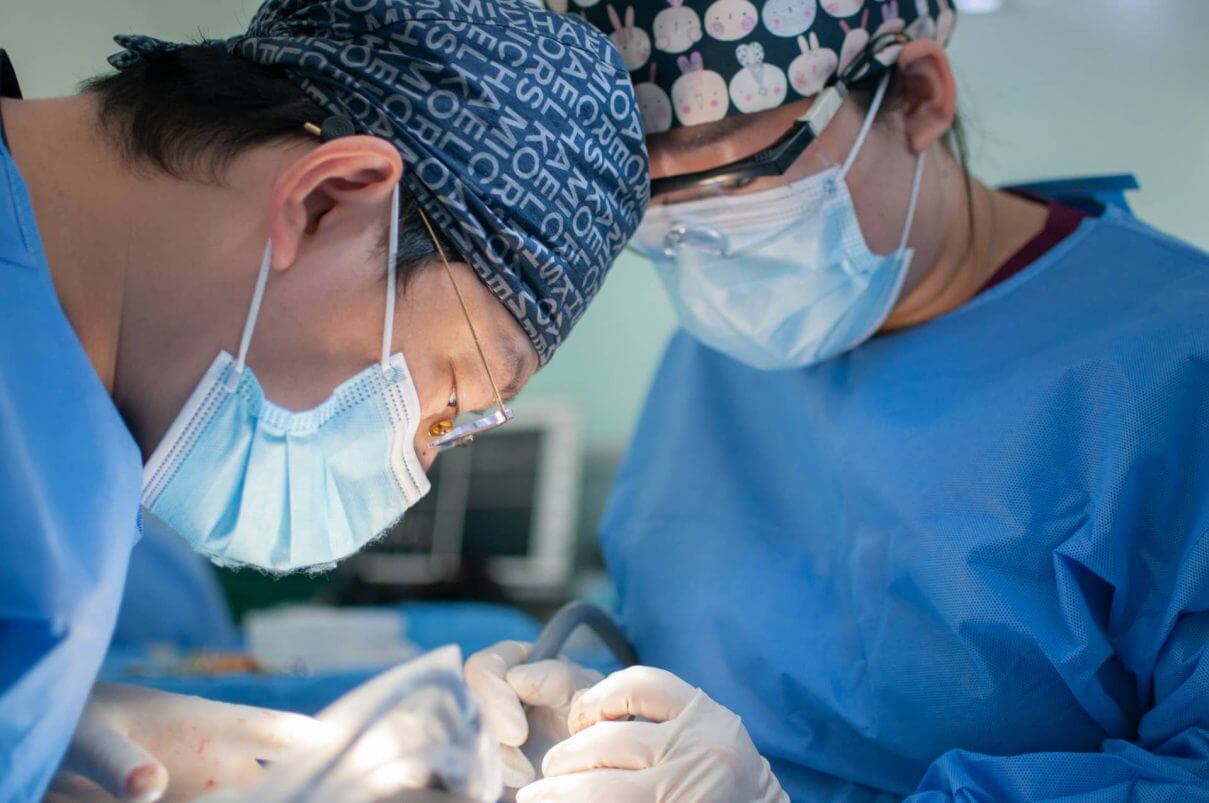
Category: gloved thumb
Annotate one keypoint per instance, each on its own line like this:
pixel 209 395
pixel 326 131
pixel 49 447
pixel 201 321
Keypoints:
pixel 638 691
pixel 115 763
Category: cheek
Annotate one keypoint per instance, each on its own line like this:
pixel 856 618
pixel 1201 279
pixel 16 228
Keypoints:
pixel 426 456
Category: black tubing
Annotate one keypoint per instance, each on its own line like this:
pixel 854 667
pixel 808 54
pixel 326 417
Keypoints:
pixel 571 616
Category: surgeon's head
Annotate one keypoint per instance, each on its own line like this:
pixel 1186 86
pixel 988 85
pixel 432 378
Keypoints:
pixel 513 140
pixel 727 106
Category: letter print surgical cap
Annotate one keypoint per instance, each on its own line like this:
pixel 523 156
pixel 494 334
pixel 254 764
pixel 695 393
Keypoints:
pixel 518 128
pixel 699 61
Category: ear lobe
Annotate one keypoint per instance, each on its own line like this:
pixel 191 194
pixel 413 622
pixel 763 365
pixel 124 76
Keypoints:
pixel 356 171
pixel 930 92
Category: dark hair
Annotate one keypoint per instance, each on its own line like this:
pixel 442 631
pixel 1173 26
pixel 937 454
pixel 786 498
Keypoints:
pixel 190 112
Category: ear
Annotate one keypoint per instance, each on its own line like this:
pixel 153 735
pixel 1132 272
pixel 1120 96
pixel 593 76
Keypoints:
pixel 629 17
pixel 613 18
pixel 356 172
pixel 929 91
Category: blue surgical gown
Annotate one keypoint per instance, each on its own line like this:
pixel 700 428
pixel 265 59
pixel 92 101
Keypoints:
pixel 967 561
pixel 70 477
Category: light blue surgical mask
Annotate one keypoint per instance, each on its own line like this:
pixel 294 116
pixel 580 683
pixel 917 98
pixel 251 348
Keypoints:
pixel 781 278
pixel 249 483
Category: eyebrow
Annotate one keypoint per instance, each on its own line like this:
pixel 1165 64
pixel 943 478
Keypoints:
pixel 516 362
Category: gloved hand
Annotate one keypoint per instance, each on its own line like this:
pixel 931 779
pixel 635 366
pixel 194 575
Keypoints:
pixel 502 686
pixel 140 744
pixel 690 749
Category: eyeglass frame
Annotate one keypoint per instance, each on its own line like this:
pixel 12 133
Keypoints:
pixel 778 158
pixel 464 434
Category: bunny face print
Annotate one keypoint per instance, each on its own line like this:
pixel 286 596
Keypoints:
pixel 699 95
pixel 891 21
pixel 842 8
pixel 855 39
pixel 804 46
pixel 923 27
pixel 654 105
pixel 758 86
pixel 634 44
pixel 789 17
pixel 729 20
pixel 676 28
pixel 810 71
pixel 945 22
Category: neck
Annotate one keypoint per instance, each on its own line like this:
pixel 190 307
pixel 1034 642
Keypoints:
pixel 54 143
pixel 983 228
pixel 136 255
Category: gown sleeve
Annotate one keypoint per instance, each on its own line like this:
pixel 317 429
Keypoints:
pixel 1167 759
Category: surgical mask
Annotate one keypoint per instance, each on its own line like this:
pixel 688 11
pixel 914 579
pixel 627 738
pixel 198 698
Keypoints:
pixel 782 278
pixel 249 483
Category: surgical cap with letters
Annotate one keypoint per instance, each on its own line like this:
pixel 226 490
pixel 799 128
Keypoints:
pixel 518 127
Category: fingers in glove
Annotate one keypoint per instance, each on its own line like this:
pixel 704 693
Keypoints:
pixel 265 734
pixel 550 684
pixel 501 709
pixel 598 786
pixel 640 691
pixel 115 763
pixel 609 745
pixel 518 770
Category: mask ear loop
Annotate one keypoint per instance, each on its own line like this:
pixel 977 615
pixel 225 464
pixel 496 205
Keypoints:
pixel 392 258
pixel 915 186
pixel 878 97
pixel 262 279
pixel 250 324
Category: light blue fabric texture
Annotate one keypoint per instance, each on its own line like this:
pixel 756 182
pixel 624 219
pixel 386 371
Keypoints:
pixel 70 476
pixel 968 561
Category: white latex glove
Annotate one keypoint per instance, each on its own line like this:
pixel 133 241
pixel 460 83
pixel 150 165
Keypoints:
pixel 140 744
pixel 690 749
pixel 502 687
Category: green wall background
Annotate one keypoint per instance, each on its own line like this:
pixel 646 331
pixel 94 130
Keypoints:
pixel 1049 88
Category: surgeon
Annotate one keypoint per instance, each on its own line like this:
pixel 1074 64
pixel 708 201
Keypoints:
pixel 919 507
pixel 249 289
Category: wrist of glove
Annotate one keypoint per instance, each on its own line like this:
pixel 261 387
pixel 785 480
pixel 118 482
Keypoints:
pixel 524 705
pixel 139 744
pixel 686 748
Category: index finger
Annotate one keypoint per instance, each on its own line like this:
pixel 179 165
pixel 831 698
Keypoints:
pixel 498 702
pixel 639 691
